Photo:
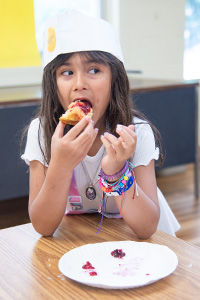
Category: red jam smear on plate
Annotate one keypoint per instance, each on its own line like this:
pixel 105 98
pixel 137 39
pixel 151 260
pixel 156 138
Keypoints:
pixel 89 266
pixel 118 253
pixel 93 273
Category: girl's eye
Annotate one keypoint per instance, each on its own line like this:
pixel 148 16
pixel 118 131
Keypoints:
pixel 94 71
pixel 67 73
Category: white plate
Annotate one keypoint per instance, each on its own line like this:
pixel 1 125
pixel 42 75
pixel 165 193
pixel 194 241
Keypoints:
pixel 143 264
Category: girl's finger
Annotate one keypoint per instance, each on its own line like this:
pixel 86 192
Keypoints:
pixel 132 127
pixel 87 134
pixel 78 128
pixel 119 144
pixel 84 141
pixel 126 134
pixel 108 145
pixel 59 131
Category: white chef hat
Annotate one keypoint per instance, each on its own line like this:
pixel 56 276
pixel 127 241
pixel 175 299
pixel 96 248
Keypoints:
pixel 74 31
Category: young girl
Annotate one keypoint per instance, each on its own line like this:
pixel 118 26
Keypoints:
pixel 105 164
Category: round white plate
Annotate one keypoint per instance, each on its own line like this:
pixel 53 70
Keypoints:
pixel 143 264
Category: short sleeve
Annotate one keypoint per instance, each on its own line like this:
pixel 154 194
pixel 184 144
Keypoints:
pixel 146 149
pixel 32 149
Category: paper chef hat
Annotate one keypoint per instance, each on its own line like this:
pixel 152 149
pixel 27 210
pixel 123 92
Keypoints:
pixel 74 31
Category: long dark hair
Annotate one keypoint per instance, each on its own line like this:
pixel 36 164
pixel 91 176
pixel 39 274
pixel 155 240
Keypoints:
pixel 120 109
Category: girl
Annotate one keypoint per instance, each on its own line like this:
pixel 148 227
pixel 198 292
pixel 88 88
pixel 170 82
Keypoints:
pixel 82 60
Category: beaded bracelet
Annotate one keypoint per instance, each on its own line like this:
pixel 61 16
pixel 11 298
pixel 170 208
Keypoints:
pixel 119 187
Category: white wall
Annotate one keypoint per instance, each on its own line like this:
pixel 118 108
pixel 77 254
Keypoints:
pixel 152 37
pixel 24 76
pixel 151 34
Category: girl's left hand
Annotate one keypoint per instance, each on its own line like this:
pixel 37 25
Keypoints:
pixel 118 150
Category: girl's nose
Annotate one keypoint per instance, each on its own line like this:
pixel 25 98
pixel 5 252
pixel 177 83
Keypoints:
pixel 80 82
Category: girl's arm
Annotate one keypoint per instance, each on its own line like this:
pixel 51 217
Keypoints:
pixel 49 187
pixel 141 213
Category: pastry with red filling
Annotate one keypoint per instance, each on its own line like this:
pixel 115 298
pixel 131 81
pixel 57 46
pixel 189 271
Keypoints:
pixel 76 111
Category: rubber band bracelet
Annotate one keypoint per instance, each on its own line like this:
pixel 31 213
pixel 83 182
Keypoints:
pixel 116 175
pixel 120 182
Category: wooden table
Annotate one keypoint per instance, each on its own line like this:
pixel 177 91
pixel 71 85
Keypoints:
pixel 29 263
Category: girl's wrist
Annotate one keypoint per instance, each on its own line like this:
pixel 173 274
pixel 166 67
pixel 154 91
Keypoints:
pixel 119 186
pixel 60 169
pixel 114 174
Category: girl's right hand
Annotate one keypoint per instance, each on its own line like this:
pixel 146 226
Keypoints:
pixel 68 150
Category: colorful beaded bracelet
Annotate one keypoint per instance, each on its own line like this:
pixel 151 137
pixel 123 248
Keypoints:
pixel 119 187
pixel 116 186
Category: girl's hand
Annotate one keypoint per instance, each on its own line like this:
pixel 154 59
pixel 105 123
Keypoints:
pixel 118 150
pixel 67 151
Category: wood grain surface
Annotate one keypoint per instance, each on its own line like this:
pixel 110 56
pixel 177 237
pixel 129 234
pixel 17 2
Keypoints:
pixel 29 263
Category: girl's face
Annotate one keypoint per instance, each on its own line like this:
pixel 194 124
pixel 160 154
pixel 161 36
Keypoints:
pixel 81 78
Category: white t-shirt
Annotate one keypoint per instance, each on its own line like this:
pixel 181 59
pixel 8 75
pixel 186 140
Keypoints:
pixel 144 153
